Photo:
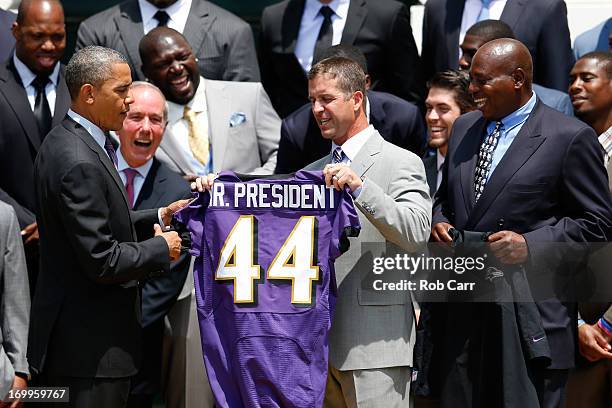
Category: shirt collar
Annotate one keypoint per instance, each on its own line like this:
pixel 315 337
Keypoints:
pixel 605 139
pixel 439 159
pixel 354 144
pixel 27 76
pixel 92 129
pixel 122 165
pixel 312 7
pixel 147 10
pixel 197 104
pixel 517 117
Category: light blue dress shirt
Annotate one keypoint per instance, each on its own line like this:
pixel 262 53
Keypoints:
pixel 141 175
pixel 512 124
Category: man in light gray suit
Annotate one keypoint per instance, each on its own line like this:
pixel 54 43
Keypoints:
pixel 212 126
pixel 372 334
pixel 236 127
pixel 223 42
pixel 14 305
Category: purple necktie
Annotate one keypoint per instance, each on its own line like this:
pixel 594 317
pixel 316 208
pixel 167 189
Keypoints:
pixel 110 150
pixel 129 184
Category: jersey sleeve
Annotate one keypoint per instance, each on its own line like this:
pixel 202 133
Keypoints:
pixel 192 217
pixel 346 224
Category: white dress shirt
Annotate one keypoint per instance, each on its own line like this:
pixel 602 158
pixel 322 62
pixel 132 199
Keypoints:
pixel 28 76
pixel 141 174
pixel 472 10
pixel 178 13
pixel 311 24
pixel 353 145
pixel 178 128
pixel 92 129
pixel 351 148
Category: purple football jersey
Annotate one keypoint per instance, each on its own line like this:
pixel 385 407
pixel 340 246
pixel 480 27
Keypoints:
pixel 265 285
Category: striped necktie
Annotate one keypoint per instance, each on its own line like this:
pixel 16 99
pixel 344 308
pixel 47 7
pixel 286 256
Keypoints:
pixel 338 155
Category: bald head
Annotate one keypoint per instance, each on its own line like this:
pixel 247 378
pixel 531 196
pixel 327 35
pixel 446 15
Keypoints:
pixel 501 77
pixel 27 7
pixel 40 34
pixel 510 54
pixel 168 61
pixel 156 39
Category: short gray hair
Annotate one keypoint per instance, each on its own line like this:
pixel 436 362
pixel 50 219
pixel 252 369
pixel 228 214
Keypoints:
pixel 91 65
pixel 348 73
pixel 145 84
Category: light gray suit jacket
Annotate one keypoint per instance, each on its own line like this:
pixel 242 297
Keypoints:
pixel 376 330
pixel 14 301
pixel 222 42
pixel 248 147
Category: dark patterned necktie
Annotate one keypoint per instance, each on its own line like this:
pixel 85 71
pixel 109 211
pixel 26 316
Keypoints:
pixel 338 155
pixel 162 18
pixel 42 112
pixel 485 158
pixel 326 34
pixel 110 150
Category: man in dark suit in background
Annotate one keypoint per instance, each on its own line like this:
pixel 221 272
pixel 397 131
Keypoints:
pixel 33 99
pixel 222 42
pixel 516 184
pixel 150 184
pixel 294 31
pixel 85 322
pixel 399 122
pixel 7 41
pixel 539 24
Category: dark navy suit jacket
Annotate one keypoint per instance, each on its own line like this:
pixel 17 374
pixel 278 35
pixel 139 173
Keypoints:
pixel 550 186
pixel 539 24
pixel 399 122
pixel 378 28
pixel 161 187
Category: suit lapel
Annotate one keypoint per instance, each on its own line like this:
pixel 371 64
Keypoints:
pixel 527 141
pixel 512 11
pixel 199 22
pixel 452 23
pixel 13 90
pixel 152 188
pixel 219 111
pixel 357 13
pixel 62 99
pixel 290 26
pixel 174 152
pixel 470 145
pixel 367 154
pixel 131 30
pixel 88 139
